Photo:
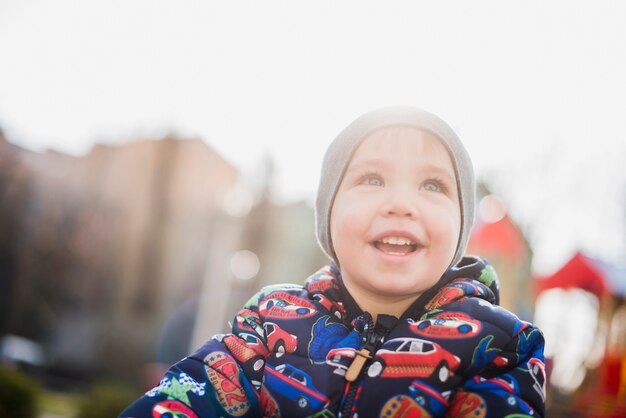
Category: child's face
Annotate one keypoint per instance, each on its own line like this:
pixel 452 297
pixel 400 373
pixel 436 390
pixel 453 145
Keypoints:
pixel 396 218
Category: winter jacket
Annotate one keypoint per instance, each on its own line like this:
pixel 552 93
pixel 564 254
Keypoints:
pixel 309 350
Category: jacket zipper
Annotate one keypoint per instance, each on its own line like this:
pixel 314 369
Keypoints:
pixel 364 355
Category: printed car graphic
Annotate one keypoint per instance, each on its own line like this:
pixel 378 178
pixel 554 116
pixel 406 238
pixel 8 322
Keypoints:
pixel 248 320
pixel 458 290
pixel 335 308
pixel 294 384
pixel 172 409
pixel 279 341
pixel 538 373
pixel 445 296
pixel 471 287
pixel 286 306
pixel 321 286
pixel 248 350
pixel 340 359
pixel 447 325
pixel 429 397
pixel 321 282
pixel 505 386
pixel 405 357
pixel 250 339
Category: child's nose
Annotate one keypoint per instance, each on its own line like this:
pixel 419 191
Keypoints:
pixel 400 205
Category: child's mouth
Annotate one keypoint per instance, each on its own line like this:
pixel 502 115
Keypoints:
pixel 395 245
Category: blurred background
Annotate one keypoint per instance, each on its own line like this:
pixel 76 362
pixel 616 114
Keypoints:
pixel 159 160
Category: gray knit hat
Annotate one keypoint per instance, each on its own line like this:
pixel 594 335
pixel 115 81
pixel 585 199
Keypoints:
pixel 341 149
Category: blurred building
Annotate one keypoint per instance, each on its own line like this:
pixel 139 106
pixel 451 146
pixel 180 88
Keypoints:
pixel 98 250
pixel 135 254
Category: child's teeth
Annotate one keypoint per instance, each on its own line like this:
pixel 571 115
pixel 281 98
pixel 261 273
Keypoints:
pixel 396 245
pixel 397 241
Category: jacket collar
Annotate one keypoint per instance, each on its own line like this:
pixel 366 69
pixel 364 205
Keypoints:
pixel 471 277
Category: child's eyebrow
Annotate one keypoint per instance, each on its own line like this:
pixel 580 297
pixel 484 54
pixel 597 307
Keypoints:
pixel 358 166
pixel 381 163
pixel 442 171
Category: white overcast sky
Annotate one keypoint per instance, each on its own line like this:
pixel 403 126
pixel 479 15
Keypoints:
pixel 536 90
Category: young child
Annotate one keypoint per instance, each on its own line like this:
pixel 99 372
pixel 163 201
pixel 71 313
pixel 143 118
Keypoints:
pixel 400 324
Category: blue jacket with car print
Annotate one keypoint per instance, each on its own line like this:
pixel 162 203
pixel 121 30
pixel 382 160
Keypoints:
pixel 309 350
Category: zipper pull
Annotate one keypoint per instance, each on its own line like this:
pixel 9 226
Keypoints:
pixel 375 336
pixel 357 364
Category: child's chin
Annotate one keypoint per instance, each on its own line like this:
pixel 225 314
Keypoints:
pixel 410 283
pixel 401 290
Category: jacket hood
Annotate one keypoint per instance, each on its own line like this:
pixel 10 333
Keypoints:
pixel 471 277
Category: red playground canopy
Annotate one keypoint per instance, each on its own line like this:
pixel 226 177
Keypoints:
pixel 585 273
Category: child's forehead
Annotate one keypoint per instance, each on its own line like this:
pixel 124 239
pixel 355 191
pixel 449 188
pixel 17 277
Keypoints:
pixel 402 140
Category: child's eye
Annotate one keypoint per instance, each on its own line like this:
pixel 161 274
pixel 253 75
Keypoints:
pixel 372 180
pixel 435 185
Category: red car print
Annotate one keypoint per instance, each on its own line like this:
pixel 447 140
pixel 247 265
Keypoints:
pixel 335 308
pixel 408 357
pixel 444 296
pixel 321 282
pixel 447 325
pixel 279 341
pixel 249 355
pixel 322 286
pixel 173 409
pixel 286 306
